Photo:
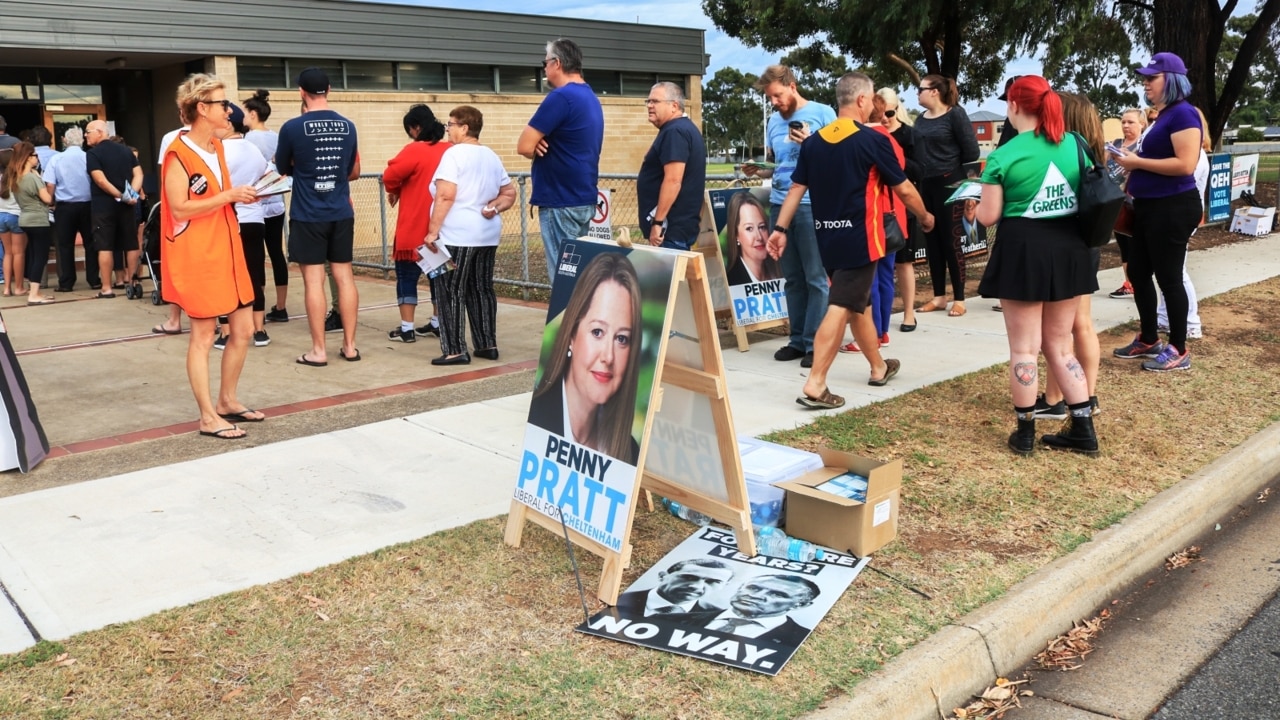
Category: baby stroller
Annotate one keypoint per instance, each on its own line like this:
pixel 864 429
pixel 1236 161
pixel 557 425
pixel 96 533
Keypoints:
pixel 151 251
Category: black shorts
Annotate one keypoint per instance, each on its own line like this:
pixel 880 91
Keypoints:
pixel 851 288
pixel 115 230
pixel 315 243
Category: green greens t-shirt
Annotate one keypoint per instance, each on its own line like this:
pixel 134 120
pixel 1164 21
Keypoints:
pixel 1040 179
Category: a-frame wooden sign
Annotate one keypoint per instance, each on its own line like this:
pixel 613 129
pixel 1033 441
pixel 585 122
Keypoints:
pixel 630 396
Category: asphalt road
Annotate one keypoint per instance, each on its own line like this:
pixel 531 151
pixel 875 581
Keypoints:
pixel 1240 681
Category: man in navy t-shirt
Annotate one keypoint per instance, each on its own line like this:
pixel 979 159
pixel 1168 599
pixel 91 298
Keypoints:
pixel 318 149
pixel 673 175
pixel 563 138
pixel 847 168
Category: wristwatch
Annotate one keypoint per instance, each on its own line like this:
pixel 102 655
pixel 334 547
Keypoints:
pixel 780 228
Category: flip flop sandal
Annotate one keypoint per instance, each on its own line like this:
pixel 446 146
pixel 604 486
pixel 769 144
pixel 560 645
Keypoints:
pixel 826 401
pixel 222 434
pixel 302 360
pixel 242 416
pixel 893 367
pixel 160 330
pixel 350 358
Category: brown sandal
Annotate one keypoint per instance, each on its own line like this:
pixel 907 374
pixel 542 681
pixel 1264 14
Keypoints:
pixel 957 309
pixel 932 306
pixel 825 401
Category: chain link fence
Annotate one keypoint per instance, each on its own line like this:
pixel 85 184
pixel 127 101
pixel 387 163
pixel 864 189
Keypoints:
pixel 521 266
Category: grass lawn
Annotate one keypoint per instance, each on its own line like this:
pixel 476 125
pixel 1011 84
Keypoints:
pixel 459 625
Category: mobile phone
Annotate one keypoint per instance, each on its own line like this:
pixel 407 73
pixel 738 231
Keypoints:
pixel 795 125
pixel 1117 150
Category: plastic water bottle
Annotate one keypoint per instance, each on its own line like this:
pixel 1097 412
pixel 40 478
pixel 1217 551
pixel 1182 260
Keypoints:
pixel 773 542
pixel 686 513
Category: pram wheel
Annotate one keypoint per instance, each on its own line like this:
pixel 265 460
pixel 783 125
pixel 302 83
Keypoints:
pixel 155 298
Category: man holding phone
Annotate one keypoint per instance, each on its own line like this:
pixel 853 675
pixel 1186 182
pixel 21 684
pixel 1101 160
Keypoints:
pixel 806 280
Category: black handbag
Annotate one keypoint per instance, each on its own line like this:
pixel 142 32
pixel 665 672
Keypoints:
pixel 894 240
pixel 1098 199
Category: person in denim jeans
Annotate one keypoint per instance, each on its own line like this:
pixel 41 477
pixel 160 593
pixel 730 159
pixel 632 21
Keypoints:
pixel 563 139
pixel 806 280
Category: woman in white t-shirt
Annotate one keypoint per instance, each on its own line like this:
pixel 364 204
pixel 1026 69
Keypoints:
pixel 471 188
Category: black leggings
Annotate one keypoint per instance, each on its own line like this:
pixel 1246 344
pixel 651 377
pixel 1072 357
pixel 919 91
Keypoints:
pixel 1162 228
pixel 254 256
pixel 275 248
pixel 942 244
pixel 38 242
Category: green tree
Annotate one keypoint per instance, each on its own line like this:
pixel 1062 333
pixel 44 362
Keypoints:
pixel 732 112
pixel 817 70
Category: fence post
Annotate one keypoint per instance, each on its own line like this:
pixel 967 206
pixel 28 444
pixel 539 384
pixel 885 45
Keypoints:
pixel 382 210
pixel 524 237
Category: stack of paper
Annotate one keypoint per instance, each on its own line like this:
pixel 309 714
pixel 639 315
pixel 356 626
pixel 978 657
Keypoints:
pixel 272 183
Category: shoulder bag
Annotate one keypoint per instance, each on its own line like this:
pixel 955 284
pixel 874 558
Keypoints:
pixel 1098 199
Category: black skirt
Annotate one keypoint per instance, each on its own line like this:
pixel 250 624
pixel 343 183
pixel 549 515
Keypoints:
pixel 1039 261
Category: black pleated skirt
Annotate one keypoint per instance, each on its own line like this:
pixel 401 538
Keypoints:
pixel 1038 261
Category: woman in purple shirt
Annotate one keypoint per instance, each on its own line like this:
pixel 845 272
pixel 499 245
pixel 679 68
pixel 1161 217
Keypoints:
pixel 1167 208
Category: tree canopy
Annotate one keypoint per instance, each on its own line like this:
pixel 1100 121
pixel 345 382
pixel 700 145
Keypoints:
pixel 732 112
pixel 1084 44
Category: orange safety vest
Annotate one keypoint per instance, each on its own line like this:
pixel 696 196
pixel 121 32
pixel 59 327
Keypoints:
pixel 202 265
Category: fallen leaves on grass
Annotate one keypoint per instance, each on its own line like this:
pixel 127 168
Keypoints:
pixel 1182 558
pixel 1074 645
pixel 994 702
pixel 1264 495
pixel 64 660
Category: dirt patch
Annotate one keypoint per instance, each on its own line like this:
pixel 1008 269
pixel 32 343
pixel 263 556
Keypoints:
pixel 929 542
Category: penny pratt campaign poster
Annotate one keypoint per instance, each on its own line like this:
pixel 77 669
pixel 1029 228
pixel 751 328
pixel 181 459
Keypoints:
pixel 594 385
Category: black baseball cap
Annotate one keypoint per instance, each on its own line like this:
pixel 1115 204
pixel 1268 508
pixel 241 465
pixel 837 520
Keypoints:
pixel 313 81
pixel 1008 84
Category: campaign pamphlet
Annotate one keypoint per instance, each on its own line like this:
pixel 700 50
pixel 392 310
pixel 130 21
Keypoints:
pixel 707 600
pixel 433 262
pixel 966 190
pixel 849 485
pixel 273 183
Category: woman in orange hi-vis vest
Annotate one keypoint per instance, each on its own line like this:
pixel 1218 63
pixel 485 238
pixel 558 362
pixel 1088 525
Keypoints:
pixel 202 259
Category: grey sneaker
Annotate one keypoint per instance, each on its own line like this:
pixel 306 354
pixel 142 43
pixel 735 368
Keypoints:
pixel 1138 349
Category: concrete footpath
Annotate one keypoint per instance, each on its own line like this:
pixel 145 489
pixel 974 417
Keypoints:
pixel 82 556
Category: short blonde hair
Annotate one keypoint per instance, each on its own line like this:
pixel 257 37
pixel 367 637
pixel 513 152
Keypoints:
pixel 193 90
pixel 891 98
pixel 1142 116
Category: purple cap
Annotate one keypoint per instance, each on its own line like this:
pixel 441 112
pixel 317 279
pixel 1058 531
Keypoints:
pixel 1162 63
pixel 314 81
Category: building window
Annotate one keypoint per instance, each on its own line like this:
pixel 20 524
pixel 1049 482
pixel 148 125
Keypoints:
pixel 260 72
pixel 369 75
pixel 679 80
pixel 73 94
pixel 637 84
pixel 423 77
pixel 604 82
pixel 19 92
pixel 332 68
pixel 518 79
pixel 470 78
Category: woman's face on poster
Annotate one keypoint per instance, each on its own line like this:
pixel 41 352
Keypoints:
pixel 753 233
pixel 601 346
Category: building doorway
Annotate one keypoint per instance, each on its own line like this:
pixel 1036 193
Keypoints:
pixel 60 118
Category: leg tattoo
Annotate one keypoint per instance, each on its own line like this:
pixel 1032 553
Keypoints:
pixel 1025 373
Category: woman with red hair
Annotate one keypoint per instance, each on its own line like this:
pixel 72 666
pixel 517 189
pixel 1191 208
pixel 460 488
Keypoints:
pixel 1041 266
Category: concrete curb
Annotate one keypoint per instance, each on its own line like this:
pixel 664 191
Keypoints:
pixel 941 673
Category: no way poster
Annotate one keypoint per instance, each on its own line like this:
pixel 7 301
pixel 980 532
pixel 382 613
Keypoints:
pixel 705 599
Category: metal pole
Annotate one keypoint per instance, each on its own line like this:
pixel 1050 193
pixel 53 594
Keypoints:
pixel 524 236
pixel 382 210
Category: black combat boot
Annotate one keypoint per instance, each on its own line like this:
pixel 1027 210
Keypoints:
pixel 1023 440
pixel 1079 435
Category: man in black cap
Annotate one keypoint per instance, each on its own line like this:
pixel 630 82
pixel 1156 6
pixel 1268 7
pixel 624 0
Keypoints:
pixel 318 149
pixel 1007 132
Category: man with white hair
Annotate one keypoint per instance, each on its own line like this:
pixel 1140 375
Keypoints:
pixel 847 168
pixel 114 171
pixel 68 181
pixel 673 176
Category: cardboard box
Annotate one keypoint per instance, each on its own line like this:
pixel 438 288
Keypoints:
pixel 843 523
pixel 1253 220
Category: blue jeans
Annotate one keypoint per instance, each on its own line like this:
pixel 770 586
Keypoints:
pixel 560 226
pixel 407 274
pixel 806 279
